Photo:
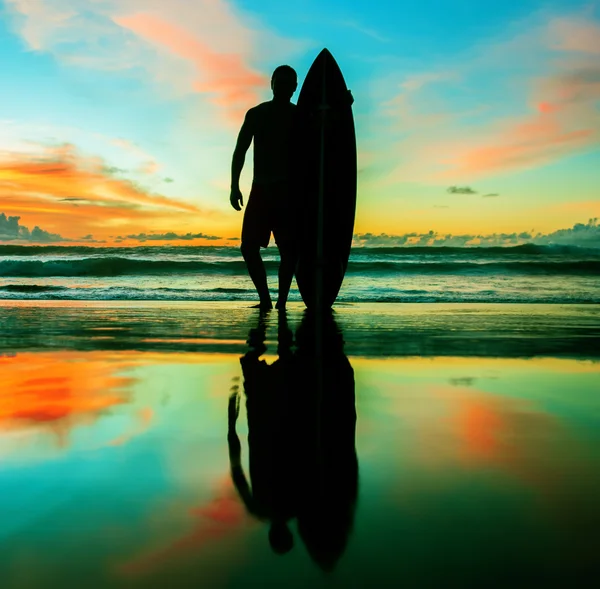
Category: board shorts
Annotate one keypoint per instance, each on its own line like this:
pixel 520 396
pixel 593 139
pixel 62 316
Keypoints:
pixel 269 209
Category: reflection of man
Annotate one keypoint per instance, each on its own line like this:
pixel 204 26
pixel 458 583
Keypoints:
pixel 269 207
pixel 270 439
pixel 301 424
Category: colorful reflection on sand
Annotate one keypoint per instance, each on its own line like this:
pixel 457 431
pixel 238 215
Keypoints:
pixel 115 472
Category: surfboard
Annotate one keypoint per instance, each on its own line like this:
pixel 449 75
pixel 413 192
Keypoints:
pixel 324 164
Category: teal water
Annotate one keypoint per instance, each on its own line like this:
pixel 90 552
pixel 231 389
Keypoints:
pixel 519 274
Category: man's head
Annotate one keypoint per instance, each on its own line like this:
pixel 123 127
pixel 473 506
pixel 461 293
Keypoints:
pixel 284 82
pixel 280 537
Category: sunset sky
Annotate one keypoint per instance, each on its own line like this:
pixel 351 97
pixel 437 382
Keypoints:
pixel 118 118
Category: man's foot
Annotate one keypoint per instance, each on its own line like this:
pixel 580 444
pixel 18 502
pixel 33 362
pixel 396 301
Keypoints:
pixel 264 306
pixel 280 305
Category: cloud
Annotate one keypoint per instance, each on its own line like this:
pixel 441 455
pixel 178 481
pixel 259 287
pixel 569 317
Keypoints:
pixel 168 180
pixel 182 48
pixel 149 168
pixel 524 143
pixel 61 187
pixel 581 234
pixel 133 148
pixel 574 35
pixel 36 134
pixel 491 195
pixel 11 230
pixel 461 190
pixel 351 24
pixel 62 169
pixel 113 170
pixel 420 80
pixel 525 117
pixel 182 69
pixel 225 77
pixel 171 236
pixel 90 239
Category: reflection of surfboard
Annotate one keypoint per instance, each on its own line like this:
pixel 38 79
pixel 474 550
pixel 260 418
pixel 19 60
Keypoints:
pixel 325 169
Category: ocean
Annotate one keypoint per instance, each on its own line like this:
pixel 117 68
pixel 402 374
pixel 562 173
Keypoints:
pixel 520 274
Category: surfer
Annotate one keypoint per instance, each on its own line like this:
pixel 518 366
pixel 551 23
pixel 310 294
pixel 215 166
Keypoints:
pixel 269 207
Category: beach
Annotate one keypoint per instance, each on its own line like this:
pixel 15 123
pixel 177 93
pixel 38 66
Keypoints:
pixel 369 329
pixel 180 180
pixel 476 435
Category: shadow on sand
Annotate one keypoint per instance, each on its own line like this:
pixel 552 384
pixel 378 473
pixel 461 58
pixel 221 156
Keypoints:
pixel 301 437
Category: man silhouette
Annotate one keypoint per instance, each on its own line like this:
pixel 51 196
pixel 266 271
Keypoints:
pixel 269 207
pixel 271 435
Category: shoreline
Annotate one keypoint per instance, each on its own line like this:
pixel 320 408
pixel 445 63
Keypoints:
pixel 368 329
pixel 245 304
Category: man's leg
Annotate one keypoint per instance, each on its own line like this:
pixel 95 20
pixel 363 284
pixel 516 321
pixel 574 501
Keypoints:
pixel 256 232
pixel 285 233
pixel 256 269
pixel 287 267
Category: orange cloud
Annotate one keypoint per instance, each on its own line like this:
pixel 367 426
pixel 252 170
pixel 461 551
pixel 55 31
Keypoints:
pixel 560 98
pixel 522 144
pixel 568 34
pixel 60 172
pixel 234 84
pixel 150 168
pixel 63 192
pixel 566 122
pixel 547 107
pixel 203 46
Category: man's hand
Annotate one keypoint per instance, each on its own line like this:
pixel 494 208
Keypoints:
pixel 236 199
pixel 233 410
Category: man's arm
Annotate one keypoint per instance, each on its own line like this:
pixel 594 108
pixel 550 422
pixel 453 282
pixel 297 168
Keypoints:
pixel 243 143
pixel 235 457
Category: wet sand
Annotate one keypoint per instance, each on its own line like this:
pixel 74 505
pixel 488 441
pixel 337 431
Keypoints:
pixel 477 437
pixel 370 329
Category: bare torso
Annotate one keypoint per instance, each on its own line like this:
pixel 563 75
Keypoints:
pixel 273 124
